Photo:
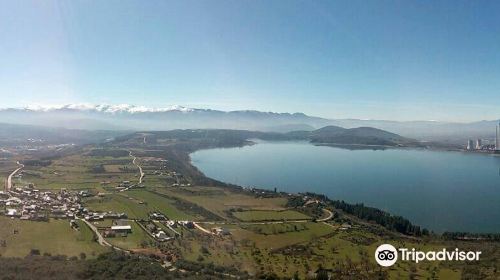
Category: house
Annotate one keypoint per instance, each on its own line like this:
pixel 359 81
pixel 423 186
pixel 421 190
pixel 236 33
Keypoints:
pixel 122 229
pixel 187 224
pixel 157 216
pixel 12 213
pixel 220 231
pixel 162 236
pixel 345 226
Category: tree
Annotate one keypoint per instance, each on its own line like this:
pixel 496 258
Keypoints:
pixel 322 275
pixel 35 252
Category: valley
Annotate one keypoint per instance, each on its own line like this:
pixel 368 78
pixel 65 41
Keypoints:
pixel 172 211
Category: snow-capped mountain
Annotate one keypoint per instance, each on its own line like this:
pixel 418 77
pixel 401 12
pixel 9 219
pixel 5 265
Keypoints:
pixel 132 117
pixel 105 108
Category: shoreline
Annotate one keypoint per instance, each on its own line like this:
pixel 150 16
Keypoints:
pixel 368 147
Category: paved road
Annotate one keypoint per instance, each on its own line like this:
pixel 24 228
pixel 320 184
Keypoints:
pixel 324 220
pixel 138 166
pixel 8 186
pixel 100 239
pixel 329 217
pixel 202 228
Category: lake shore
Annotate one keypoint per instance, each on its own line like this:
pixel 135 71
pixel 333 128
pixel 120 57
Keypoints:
pixel 295 190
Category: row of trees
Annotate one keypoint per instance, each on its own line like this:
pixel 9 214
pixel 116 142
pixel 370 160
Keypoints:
pixel 396 223
pixel 471 236
pixel 390 222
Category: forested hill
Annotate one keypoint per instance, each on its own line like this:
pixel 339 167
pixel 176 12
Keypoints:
pixel 359 135
pixel 325 135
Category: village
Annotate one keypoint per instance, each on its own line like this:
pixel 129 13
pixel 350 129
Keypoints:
pixel 29 203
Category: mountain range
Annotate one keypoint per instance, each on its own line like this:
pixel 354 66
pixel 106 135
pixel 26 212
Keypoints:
pixel 130 117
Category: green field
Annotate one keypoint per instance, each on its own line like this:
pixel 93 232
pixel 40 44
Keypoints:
pixel 266 215
pixel 133 240
pixel 119 203
pixel 74 172
pixel 264 234
pixel 314 230
pixel 54 237
pixel 158 203
pixel 219 200
pixel 136 204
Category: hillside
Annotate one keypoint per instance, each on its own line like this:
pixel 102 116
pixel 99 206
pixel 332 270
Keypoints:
pixel 354 136
pixel 130 117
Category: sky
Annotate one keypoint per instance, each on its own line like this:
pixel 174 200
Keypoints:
pixel 394 60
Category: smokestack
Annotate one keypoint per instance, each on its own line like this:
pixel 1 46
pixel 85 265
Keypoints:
pixel 497 137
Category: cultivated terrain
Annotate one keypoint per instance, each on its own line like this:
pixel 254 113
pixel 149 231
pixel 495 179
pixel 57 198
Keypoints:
pixel 98 208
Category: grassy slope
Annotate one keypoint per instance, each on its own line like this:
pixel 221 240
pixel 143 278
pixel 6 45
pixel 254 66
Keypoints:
pixel 159 203
pixel 266 215
pixel 219 200
pixel 54 237
pixel 132 240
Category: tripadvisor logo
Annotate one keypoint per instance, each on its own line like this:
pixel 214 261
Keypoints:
pixel 387 255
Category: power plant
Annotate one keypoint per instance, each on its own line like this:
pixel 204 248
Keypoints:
pixel 488 146
pixel 479 144
pixel 497 137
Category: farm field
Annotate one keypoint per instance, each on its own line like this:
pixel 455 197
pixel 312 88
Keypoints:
pixel 135 240
pixel 137 204
pixel 80 172
pixel 53 237
pixel 219 200
pixel 275 241
pixel 267 215
pixel 160 204
pixel 300 247
pixel 265 234
pixel 119 203
pixel 7 165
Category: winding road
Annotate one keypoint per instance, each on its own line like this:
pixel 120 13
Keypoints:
pixel 138 166
pixel 8 186
pixel 323 220
pixel 329 217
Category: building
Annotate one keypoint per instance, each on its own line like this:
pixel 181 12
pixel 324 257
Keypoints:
pixel 221 231
pixel 162 236
pixel 497 137
pixel 122 229
pixel 479 144
pixel 12 213
pixel 470 144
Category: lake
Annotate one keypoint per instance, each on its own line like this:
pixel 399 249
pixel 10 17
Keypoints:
pixel 439 190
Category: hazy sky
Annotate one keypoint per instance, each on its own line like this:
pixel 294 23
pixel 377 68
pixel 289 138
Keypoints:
pixel 397 60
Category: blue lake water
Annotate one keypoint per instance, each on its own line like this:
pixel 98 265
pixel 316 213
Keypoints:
pixel 439 190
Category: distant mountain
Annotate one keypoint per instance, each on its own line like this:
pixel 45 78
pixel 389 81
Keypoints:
pixel 139 118
pixel 289 127
pixel 127 117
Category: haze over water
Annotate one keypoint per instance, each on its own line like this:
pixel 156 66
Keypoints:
pixel 439 190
